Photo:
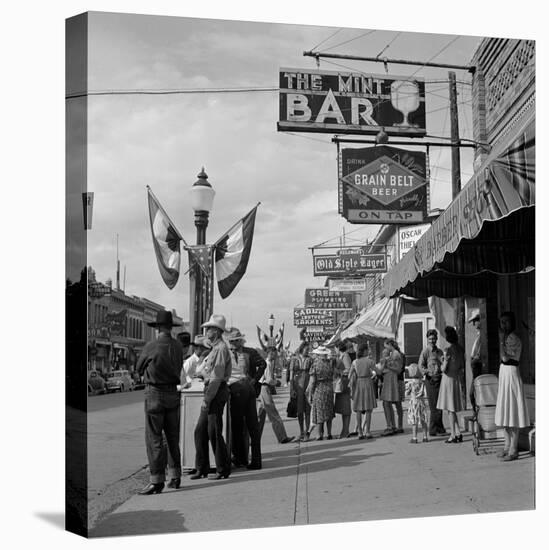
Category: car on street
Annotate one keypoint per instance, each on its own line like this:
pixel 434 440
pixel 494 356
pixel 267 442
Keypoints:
pixel 96 383
pixel 119 380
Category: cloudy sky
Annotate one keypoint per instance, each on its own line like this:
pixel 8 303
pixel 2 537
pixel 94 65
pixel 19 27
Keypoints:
pixel 164 140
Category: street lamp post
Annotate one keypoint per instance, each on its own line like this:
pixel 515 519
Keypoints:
pixel 271 327
pixel 202 195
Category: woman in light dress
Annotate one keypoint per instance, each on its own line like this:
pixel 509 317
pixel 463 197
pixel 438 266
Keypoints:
pixel 511 411
pixel 363 397
pixel 449 395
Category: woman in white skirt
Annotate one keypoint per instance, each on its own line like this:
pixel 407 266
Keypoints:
pixel 449 395
pixel 511 410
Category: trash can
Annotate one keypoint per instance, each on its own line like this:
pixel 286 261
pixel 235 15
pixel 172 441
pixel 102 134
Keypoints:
pixel 191 401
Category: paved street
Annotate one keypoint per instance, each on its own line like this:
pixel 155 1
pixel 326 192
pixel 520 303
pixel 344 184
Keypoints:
pixel 329 481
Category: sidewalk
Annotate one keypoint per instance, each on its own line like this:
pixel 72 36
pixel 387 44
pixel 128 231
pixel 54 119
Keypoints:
pixel 332 481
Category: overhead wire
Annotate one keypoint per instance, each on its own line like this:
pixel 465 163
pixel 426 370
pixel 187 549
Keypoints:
pixel 326 39
pixel 351 39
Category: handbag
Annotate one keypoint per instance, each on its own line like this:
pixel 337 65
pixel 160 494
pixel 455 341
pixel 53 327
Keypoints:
pixel 291 409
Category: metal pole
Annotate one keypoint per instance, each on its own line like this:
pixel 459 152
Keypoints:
pixel 456 188
pixel 198 282
pixel 385 60
pixel 454 134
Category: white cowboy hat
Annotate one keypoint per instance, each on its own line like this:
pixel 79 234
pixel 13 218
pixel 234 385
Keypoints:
pixel 216 321
pixel 321 350
pixel 475 315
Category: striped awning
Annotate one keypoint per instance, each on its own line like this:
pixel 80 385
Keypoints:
pixel 488 229
pixel 379 321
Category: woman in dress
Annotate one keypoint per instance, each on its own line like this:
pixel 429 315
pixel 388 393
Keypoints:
pixel 321 391
pixel 450 392
pixel 362 389
pixel 342 391
pixel 511 411
pixel 392 392
pixel 417 407
pixel 299 380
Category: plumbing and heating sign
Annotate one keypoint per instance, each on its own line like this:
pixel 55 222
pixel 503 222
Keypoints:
pixel 350 103
pixel 309 316
pixel 323 298
pixel 382 185
pixel 348 262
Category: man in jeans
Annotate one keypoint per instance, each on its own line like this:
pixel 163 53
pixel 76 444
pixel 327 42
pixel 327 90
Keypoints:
pixel 244 386
pixel 160 365
pixel 266 403
pixel 429 363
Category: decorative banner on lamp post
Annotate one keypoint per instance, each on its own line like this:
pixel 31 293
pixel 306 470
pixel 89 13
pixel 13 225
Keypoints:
pixel 323 298
pixel 383 185
pixel 350 103
pixel 349 262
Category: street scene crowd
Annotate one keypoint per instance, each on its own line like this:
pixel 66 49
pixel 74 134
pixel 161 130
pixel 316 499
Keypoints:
pixel 323 381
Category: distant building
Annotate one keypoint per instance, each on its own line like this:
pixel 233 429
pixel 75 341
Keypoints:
pixel 117 325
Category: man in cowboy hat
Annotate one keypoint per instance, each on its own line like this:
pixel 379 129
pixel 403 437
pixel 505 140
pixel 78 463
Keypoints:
pixel 160 365
pixel 266 403
pixel 193 366
pixel 209 427
pixel 244 387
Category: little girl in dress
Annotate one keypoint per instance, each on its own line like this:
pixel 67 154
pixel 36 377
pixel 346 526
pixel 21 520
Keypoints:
pixel 417 409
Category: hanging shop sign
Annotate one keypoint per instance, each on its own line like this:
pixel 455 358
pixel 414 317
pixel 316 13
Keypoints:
pixel 383 185
pixel 326 299
pixel 347 262
pixel 350 103
pixel 317 334
pixel 116 322
pixel 408 236
pixel 347 285
pixel 308 316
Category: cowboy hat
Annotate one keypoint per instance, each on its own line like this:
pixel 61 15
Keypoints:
pixel 200 340
pixel 164 318
pixel 322 350
pixel 235 334
pixel 216 321
pixel 475 315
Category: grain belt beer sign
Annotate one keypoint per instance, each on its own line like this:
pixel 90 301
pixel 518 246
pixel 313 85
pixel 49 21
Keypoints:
pixel 309 316
pixel 348 262
pixel 383 185
pixel 326 299
pixel 350 103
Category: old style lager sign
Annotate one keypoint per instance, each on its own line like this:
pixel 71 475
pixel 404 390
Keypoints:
pixel 308 316
pixel 327 299
pixel 383 185
pixel 348 262
pixel 350 103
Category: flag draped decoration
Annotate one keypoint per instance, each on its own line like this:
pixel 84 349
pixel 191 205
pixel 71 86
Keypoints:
pixel 166 241
pixel 232 253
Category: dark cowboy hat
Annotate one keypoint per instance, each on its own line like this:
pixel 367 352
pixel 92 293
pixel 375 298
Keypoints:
pixel 164 318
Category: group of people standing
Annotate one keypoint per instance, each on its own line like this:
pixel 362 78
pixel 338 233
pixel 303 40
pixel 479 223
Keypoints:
pixel 322 384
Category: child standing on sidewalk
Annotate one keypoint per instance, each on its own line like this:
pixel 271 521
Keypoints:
pixel 417 409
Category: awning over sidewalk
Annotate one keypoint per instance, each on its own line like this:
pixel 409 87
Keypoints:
pixel 488 229
pixel 379 321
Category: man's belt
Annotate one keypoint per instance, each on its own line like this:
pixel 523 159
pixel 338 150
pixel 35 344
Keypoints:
pixel 511 362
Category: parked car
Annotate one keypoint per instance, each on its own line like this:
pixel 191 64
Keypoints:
pixel 119 380
pixel 96 383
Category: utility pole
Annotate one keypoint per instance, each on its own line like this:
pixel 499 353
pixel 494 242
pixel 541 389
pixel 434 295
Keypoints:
pixel 454 135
